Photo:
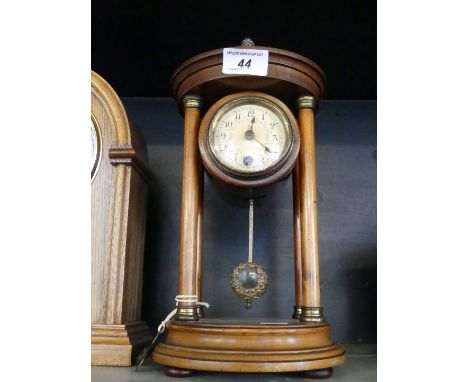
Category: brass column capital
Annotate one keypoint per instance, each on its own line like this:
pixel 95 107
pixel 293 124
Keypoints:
pixel 307 102
pixel 192 100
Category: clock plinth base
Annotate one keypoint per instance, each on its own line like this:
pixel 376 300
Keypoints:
pixel 236 346
pixel 118 345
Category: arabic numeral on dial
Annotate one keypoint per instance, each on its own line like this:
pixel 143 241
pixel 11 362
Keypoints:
pixel 251 113
pixel 237 115
pixel 227 123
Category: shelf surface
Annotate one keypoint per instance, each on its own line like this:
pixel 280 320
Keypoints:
pixel 361 366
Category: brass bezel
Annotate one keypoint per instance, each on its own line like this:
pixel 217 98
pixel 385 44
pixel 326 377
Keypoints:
pixel 251 100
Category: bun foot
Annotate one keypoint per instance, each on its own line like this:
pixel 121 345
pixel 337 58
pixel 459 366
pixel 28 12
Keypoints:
pixel 318 373
pixel 178 373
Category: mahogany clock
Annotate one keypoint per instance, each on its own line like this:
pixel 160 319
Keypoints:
pixel 249 132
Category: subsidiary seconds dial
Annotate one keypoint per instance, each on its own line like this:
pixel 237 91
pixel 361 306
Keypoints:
pixel 250 136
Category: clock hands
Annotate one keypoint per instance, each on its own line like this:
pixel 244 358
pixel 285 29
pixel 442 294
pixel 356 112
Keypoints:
pixel 250 135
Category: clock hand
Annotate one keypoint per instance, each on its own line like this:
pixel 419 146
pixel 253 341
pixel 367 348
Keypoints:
pixel 266 148
pixel 251 124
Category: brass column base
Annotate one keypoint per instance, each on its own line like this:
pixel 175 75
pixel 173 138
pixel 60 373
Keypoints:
pixel 297 312
pixel 187 313
pixel 312 314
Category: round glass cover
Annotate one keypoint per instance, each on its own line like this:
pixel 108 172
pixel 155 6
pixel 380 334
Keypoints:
pixel 248 278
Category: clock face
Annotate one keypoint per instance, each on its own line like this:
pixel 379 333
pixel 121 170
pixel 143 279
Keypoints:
pixel 250 135
pixel 95 149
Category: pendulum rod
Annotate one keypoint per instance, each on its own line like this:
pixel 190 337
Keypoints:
pixel 249 280
pixel 251 207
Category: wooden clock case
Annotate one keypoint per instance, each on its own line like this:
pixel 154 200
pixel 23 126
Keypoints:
pixel 196 342
pixel 118 206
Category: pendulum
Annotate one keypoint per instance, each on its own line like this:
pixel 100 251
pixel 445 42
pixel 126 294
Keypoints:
pixel 249 280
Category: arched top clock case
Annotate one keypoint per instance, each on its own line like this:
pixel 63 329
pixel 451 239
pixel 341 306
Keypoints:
pixel 113 125
pixel 119 189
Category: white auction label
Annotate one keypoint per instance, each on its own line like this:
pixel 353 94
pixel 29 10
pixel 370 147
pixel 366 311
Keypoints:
pixel 245 61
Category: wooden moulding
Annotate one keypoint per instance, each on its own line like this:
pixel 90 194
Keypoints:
pixel 117 345
pixel 248 347
pixel 126 144
pixel 290 75
pixel 118 217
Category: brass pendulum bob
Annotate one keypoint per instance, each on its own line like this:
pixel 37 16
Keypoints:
pixel 249 280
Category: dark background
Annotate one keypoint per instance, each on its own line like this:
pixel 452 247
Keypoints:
pixel 136 45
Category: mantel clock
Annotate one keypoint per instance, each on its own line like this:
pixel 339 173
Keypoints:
pixel 119 177
pixel 249 132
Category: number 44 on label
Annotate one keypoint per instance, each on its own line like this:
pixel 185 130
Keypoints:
pixel 247 64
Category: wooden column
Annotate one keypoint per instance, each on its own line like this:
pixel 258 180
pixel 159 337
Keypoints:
pixel 297 240
pixel 190 211
pixel 311 309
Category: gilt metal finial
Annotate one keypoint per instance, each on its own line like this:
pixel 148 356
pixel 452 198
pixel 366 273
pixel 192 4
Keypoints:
pixel 247 42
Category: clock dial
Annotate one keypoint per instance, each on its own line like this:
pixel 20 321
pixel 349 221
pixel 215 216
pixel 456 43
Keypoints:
pixel 250 135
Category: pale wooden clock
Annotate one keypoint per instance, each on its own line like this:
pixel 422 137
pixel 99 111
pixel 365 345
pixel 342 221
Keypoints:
pixel 119 176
